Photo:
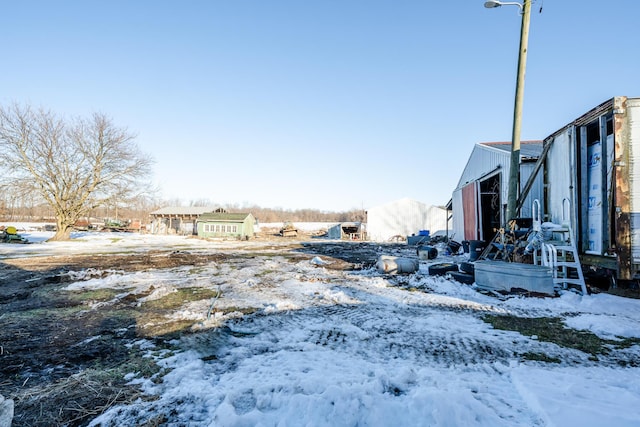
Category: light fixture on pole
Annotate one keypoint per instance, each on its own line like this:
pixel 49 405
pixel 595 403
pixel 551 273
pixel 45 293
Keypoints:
pixel 514 171
pixel 493 3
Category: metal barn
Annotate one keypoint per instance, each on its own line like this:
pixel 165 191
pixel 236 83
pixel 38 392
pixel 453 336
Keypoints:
pixel 480 198
pixel 346 231
pixel 403 218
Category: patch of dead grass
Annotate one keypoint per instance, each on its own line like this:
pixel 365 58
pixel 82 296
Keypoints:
pixel 554 330
pixel 74 400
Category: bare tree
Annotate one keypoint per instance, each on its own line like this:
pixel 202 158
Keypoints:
pixel 74 165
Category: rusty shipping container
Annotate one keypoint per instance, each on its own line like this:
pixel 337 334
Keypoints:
pixel 594 164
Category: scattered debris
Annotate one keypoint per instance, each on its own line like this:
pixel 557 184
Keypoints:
pixel 442 268
pixel 396 265
pixel 121 225
pixel 316 260
pixel 288 230
pixel 427 252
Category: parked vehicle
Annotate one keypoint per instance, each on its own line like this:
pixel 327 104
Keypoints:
pixel 10 235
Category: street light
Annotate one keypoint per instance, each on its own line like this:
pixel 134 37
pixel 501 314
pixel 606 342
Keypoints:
pixel 493 3
pixel 514 171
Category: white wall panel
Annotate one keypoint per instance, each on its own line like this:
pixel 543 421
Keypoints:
pixel 560 169
pixel 402 217
pixel 633 115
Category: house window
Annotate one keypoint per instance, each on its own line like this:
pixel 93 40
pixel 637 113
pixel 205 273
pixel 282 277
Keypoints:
pixel 217 228
pixel 235 228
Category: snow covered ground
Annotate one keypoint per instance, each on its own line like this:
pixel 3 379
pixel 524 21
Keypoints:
pixel 329 347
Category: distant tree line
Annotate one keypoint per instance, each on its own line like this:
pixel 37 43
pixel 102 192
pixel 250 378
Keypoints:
pixel 300 215
pixel 27 207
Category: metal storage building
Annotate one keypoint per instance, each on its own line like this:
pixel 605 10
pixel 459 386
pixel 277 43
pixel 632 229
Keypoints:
pixel 403 218
pixel 346 231
pixel 480 198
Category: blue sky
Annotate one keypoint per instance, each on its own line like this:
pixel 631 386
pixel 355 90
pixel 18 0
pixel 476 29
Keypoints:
pixel 331 105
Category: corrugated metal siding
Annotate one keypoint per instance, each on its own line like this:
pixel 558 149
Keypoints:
pixel 485 161
pixel 437 219
pixel 536 191
pixel 334 232
pixel 482 161
pixel 633 115
pixel 458 215
pixel 402 217
pixel 528 149
pixel 561 168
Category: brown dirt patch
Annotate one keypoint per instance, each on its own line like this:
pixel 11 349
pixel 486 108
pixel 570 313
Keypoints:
pixel 64 355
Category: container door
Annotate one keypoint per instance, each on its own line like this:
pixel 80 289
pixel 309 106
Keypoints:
pixel 470 209
pixel 598 136
pixel 490 205
pixel 595 198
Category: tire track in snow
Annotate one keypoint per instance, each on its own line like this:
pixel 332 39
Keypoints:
pixel 377 332
pixel 395 345
pixel 389 344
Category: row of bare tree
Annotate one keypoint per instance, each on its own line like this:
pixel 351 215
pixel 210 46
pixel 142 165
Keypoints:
pixel 68 170
pixel 30 210
pixel 300 215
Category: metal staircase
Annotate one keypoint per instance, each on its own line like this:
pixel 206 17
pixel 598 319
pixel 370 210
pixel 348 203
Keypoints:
pixel 558 251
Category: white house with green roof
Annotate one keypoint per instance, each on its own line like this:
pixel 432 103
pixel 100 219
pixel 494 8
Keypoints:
pixel 225 225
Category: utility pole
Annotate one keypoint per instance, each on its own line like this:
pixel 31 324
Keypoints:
pixel 514 171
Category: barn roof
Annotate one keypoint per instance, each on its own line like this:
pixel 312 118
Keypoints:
pixel 528 149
